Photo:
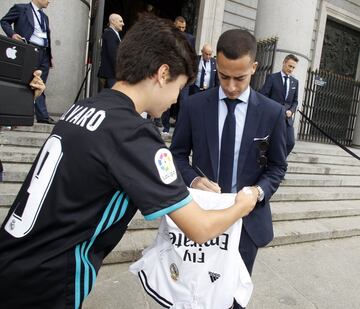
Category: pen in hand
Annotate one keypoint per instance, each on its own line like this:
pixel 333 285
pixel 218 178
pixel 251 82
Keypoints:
pixel 210 185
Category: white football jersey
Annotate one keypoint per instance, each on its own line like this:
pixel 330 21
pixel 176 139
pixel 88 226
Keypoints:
pixel 179 273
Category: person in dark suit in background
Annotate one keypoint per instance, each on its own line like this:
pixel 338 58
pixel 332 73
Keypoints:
pixel 284 88
pixel 110 42
pixel 31 25
pixel 180 23
pixel 206 77
pixel 236 137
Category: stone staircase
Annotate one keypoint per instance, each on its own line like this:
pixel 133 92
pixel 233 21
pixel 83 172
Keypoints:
pixel 319 199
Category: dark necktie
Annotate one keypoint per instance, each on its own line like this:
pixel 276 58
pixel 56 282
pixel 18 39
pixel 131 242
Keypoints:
pixel 227 147
pixel 285 85
pixel 202 76
pixel 43 25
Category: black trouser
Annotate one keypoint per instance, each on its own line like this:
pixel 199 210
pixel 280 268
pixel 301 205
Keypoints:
pixel 43 65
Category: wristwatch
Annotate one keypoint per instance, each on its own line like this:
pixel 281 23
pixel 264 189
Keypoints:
pixel 261 193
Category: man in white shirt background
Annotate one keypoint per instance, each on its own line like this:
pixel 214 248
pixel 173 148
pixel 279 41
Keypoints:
pixel 31 25
pixel 206 77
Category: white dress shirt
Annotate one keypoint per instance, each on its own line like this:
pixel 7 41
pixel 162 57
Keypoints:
pixel 38 36
pixel 240 115
pixel 207 68
pixel 287 82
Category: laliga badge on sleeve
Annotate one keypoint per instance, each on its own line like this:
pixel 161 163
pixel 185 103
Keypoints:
pixel 165 165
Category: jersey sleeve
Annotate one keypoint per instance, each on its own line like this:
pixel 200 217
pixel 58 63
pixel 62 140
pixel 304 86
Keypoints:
pixel 144 168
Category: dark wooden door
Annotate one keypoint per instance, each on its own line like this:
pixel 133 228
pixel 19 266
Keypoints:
pixel 341 48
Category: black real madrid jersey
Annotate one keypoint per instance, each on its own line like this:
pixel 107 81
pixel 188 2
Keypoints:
pixel 100 164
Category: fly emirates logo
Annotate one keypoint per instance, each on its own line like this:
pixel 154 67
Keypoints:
pixel 193 251
pixel 82 116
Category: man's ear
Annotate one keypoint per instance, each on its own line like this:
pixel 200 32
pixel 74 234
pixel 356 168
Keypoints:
pixel 163 74
pixel 254 66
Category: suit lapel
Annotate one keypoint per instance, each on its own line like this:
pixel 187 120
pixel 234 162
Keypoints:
pixel 211 119
pixel 292 85
pixel 212 73
pixel 250 128
pixel 30 16
pixel 281 84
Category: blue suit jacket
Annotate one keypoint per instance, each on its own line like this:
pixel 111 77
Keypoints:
pixel 21 15
pixel 274 89
pixel 190 38
pixel 197 131
pixel 110 44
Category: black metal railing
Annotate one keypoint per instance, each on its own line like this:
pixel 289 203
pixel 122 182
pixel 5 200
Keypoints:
pixel 331 101
pixel 265 57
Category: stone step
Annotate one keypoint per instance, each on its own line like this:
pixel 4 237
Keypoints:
pixel 324 169
pixel 290 232
pixel 314 158
pixel 23 154
pixel 311 180
pixel 284 193
pixel 16 154
pixel 16 172
pixel 37 127
pixel 292 194
pixel 8 192
pixel 281 211
pixel 18 138
pixel 319 148
pixel 286 232
pixel 311 175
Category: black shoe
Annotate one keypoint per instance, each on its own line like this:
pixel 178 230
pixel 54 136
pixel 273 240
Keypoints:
pixel 158 123
pixel 48 121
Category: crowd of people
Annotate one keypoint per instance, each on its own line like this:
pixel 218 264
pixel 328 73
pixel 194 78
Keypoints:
pixel 103 161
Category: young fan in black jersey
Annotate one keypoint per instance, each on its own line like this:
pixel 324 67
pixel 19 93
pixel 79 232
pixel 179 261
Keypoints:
pixel 102 163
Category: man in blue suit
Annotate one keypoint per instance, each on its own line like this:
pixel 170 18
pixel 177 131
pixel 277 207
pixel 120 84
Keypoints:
pixel 284 88
pixel 206 76
pixel 258 153
pixel 31 25
pixel 110 43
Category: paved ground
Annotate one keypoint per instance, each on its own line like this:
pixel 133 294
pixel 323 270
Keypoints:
pixel 315 275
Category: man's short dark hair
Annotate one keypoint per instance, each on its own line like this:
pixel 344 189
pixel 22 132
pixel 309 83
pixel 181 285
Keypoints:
pixel 150 43
pixel 180 19
pixel 291 57
pixel 237 43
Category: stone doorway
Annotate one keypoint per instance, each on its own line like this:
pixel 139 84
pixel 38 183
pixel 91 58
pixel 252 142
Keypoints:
pixel 129 10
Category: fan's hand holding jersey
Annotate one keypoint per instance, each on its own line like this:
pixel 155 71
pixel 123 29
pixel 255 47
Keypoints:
pixel 101 164
pixel 181 274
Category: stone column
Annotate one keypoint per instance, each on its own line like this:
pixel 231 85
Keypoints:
pixel 293 23
pixel 69 28
pixel 211 15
